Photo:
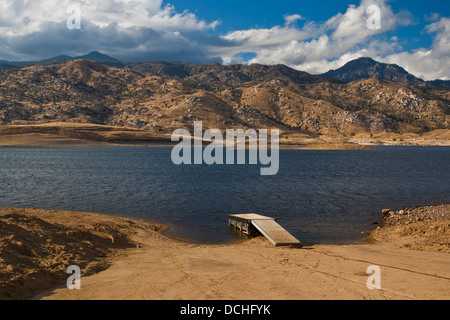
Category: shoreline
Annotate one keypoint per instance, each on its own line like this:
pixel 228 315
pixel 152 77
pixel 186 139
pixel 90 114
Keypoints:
pixel 308 146
pixel 325 147
pixel 123 258
pixel 89 135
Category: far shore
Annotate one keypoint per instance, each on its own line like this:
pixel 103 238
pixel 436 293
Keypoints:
pixel 48 140
pixel 126 259
pixel 89 135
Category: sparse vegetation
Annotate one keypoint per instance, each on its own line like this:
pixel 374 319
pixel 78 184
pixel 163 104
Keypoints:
pixel 164 95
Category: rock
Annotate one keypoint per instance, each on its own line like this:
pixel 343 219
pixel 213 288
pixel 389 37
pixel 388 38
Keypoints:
pixel 401 212
pixel 385 212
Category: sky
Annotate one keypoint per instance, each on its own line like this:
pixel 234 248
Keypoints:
pixel 312 36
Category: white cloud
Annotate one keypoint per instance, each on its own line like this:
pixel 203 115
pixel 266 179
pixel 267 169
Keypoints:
pixel 292 18
pixel 131 29
pixel 124 13
pixel 312 47
pixel 428 64
pixel 319 47
pixel 146 30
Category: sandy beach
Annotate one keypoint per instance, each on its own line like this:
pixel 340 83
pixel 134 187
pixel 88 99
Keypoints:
pixel 124 259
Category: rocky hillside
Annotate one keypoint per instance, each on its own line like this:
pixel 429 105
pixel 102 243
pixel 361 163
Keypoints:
pixel 161 97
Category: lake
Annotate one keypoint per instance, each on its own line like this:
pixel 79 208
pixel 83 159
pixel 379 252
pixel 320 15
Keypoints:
pixel 319 196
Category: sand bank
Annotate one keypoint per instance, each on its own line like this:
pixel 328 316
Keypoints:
pixel 127 259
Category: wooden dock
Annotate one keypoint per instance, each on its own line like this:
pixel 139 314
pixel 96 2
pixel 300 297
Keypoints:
pixel 255 224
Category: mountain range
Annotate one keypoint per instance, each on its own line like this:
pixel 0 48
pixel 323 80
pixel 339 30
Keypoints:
pixel 363 96
pixel 93 56
pixel 361 68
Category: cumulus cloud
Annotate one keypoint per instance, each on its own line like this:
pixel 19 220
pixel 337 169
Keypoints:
pixel 148 30
pixel 318 46
pixel 124 13
pixel 292 18
pixel 429 64
pixel 130 30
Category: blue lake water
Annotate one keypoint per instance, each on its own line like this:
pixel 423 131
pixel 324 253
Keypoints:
pixel 319 196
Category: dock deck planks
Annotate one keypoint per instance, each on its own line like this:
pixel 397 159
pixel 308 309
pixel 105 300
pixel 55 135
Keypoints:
pixel 267 226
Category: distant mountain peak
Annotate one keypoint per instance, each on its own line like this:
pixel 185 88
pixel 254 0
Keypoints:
pixel 366 68
pixel 364 60
pixel 61 57
pixel 97 56
pixel 92 56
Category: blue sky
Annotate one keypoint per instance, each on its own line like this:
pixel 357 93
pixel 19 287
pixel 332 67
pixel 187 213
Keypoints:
pixel 312 36
pixel 237 15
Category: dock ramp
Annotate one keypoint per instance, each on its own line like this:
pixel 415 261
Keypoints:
pixel 253 224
